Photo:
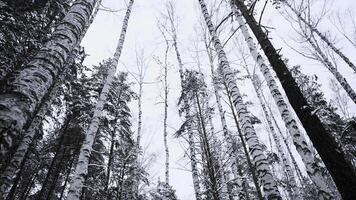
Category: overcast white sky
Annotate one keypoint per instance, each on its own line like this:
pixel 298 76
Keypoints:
pixel 142 33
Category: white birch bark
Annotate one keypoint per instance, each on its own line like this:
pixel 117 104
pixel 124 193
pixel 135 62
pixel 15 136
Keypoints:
pixel 285 142
pixel 81 168
pixel 165 86
pixel 24 92
pixel 139 123
pixel 10 172
pixel 299 139
pixel 229 138
pixel 292 185
pixel 193 162
pixel 321 35
pixel 165 121
pixel 258 158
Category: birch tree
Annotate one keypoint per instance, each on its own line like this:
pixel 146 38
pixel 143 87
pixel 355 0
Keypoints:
pixel 186 106
pixel 82 165
pixel 258 158
pixel 323 58
pixel 298 138
pixel 164 66
pixel 25 27
pixel 331 154
pixel 231 141
pixel 19 155
pixel 314 29
pixel 22 95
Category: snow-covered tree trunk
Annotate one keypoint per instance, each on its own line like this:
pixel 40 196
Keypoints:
pixel 258 158
pixel 81 168
pixel 323 141
pixel 22 95
pixel 10 172
pixel 326 62
pixel 323 37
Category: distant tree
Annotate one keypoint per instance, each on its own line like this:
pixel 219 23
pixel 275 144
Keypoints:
pixel 163 192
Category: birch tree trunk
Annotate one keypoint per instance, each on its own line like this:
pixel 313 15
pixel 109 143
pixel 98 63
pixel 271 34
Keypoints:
pixel 20 97
pixel 331 154
pixel 165 117
pixel 292 184
pixel 299 140
pixel 322 36
pixel 258 158
pixel 229 138
pixel 81 168
pixel 193 159
pixel 286 144
pixel 10 172
pixel 193 162
pixel 251 167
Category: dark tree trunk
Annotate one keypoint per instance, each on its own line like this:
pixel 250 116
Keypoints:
pixel 55 168
pixel 67 178
pixel 32 181
pixel 111 158
pixel 18 178
pixel 331 154
pixel 207 151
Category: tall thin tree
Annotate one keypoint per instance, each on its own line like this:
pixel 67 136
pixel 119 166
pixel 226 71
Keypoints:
pixel 81 168
pixel 188 117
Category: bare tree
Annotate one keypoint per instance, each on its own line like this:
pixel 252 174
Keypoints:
pixel 313 28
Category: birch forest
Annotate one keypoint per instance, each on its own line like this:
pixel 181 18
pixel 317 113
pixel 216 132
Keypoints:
pixel 177 100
